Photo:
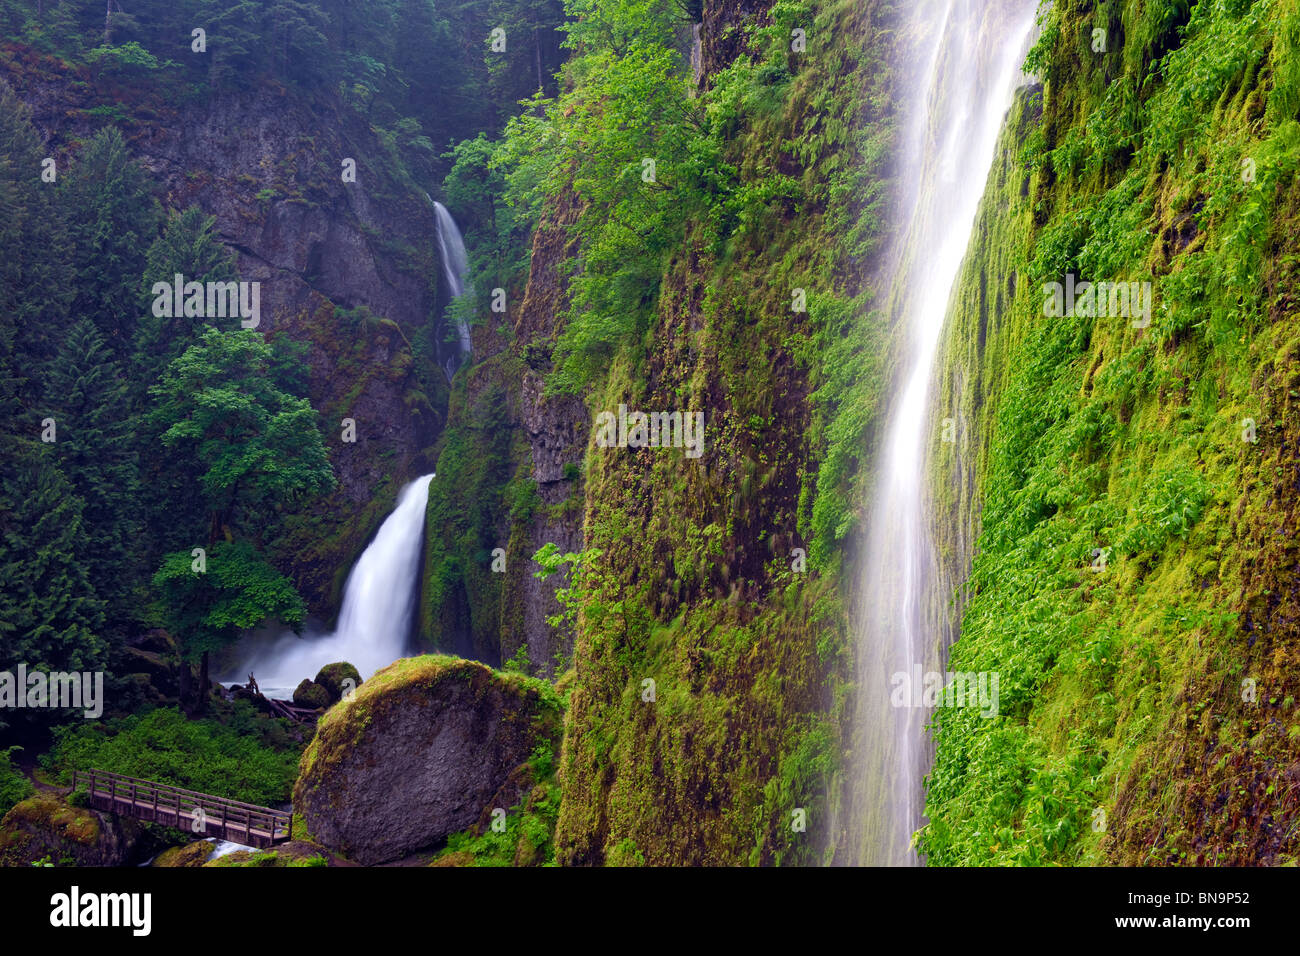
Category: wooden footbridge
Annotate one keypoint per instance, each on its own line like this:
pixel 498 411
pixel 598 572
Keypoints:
pixel 199 813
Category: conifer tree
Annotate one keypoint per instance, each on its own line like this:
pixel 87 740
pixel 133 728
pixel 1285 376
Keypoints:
pixel 35 284
pixel 112 219
pixel 50 617
pixel 87 398
pixel 187 247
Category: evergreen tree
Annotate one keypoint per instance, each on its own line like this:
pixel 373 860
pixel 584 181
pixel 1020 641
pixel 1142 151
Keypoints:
pixel 35 284
pixel 88 400
pixel 50 617
pixel 112 220
pixel 187 247
pixel 173 512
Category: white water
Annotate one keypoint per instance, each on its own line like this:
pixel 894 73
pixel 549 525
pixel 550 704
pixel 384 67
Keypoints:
pixel 455 266
pixel 375 621
pixel 963 87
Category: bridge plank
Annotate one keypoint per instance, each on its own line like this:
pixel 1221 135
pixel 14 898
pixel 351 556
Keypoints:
pixel 174 806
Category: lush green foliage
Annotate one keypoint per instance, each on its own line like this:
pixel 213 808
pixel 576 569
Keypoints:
pixel 237 591
pixel 1124 582
pixel 634 146
pixel 256 445
pixel 704 665
pixel 116 219
pixel 88 400
pixel 525 837
pixel 14 786
pixel 257 448
pixel 239 443
pixel 164 745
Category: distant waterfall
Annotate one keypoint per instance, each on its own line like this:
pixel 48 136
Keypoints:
pixel 960 91
pixel 455 267
pixel 378 608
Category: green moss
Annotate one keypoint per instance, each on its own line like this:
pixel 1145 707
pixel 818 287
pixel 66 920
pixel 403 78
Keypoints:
pixel 53 821
pixel 332 677
pixel 525 836
pixel 727 596
pixel 312 695
pixel 191 855
pixel 343 725
pixel 1124 735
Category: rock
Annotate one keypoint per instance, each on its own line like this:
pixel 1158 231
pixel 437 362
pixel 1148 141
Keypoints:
pixel 458 858
pixel 310 694
pixel 294 853
pixel 157 642
pixel 192 854
pixel 557 428
pixel 257 700
pixel 46 825
pixel 332 676
pixel 418 754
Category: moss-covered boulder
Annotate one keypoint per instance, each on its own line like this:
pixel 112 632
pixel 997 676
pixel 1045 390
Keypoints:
pixel 46 825
pixel 310 694
pixel 295 853
pixel 418 753
pixel 332 676
pixel 190 855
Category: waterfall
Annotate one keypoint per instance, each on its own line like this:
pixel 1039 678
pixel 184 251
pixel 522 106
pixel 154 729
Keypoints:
pixel 378 608
pixel 957 99
pixel 455 267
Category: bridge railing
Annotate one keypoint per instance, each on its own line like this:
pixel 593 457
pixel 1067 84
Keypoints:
pixel 175 806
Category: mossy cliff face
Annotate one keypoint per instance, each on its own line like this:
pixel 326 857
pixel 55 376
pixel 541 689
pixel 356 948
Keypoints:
pixel 421 751
pixel 710 665
pixel 267 166
pixel 712 655
pixel 47 826
pixel 509 479
pixel 1133 485
pixel 557 429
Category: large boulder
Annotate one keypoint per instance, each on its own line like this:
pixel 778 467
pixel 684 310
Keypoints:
pixel 418 753
pixel 47 826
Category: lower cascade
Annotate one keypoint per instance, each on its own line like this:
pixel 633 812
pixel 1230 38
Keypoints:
pixel 378 605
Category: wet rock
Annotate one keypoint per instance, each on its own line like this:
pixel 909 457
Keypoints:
pixel 417 754
pixel 332 676
pixel 47 826
pixel 191 855
pixel 311 695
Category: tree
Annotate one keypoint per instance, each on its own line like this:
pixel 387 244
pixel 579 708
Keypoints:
pixel 189 247
pixel 647 163
pixel 87 398
pixel 237 590
pixel 112 220
pixel 35 285
pixel 255 448
pixel 50 617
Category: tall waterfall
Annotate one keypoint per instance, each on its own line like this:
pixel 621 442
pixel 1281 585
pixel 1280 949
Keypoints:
pixel 455 266
pixel 378 606
pixel 957 100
